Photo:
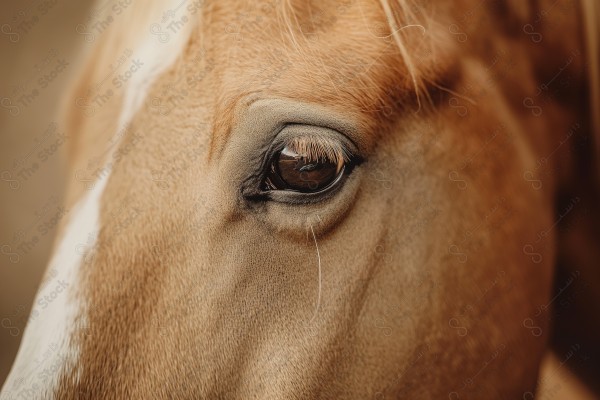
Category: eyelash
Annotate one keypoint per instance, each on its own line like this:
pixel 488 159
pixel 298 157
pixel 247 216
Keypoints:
pixel 316 148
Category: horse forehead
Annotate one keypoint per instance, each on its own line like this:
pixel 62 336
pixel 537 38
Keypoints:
pixel 339 56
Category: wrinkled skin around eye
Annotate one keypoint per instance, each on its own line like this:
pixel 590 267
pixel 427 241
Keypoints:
pixel 292 171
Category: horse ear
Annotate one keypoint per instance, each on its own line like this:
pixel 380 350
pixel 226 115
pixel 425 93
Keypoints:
pixel 591 16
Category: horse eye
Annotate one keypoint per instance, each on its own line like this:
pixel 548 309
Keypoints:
pixel 303 172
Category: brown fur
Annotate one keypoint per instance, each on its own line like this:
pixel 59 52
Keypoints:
pixel 427 283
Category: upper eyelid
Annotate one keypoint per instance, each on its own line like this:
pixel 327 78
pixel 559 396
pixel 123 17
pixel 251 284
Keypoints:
pixel 266 119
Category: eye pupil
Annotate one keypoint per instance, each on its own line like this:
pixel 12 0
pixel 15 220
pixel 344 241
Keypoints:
pixel 300 172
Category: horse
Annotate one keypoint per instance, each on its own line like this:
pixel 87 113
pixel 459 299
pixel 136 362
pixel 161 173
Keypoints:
pixel 285 199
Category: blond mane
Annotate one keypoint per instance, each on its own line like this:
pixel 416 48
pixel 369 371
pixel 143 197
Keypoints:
pixel 401 17
pixel 409 20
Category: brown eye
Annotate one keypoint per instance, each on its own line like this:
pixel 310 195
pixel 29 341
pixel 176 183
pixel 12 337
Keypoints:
pixel 303 168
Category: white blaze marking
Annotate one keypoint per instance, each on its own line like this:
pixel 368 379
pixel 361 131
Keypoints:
pixel 45 349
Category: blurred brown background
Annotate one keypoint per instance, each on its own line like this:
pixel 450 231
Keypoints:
pixel 37 39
